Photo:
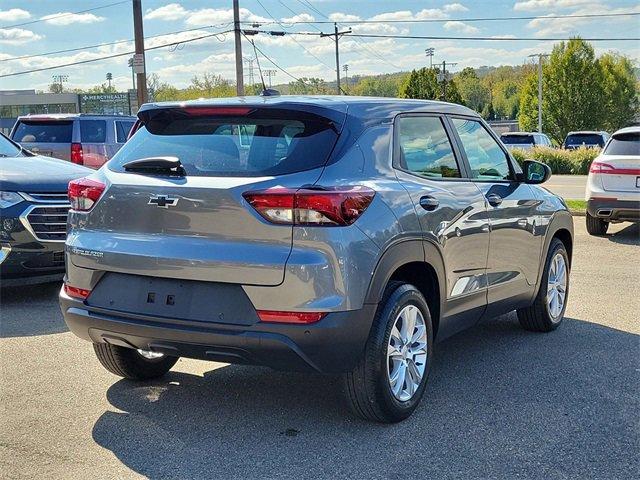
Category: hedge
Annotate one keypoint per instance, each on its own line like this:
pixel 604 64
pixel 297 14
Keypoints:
pixel 572 162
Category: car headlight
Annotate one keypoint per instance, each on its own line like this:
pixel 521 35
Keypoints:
pixel 8 199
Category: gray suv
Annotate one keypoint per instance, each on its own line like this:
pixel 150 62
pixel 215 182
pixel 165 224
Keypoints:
pixel 340 235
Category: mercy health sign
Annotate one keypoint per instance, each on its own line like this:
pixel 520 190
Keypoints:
pixel 105 103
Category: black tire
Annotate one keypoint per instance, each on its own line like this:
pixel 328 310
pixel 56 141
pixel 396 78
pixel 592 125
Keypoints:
pixel 367 387
pixel 128 363
pixel 596 226
pixel 536 318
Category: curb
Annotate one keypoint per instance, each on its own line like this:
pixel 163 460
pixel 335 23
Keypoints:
pixel 578 213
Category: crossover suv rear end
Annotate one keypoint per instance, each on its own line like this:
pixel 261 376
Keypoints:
pixel 525 140
pixel 586 139
pixel 329 234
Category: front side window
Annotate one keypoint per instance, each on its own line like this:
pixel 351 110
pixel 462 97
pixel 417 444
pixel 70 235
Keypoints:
pixel 486 159
pixel 425 148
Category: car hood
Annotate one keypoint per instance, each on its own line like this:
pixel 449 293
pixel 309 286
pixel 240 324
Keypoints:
pixel 38 174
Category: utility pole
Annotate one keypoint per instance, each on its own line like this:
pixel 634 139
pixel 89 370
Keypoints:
pixel 238 42
pixel 336 38
pixel 540 57
pixel 345 67
pixel 138 35
pixel 443 77
pixel 429 53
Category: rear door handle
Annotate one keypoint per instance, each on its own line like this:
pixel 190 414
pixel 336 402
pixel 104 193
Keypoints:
pixel 494 199
pixel 429 203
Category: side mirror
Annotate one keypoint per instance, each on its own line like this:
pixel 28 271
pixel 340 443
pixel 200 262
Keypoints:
pixel 535 172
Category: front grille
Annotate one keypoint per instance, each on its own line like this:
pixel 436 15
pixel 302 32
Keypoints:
pixel 49 197
pixel 48 222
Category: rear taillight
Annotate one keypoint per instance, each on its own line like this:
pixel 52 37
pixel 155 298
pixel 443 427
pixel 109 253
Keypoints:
pixel 333 206
pixel 75 292
pixel 76 153
pixel 600 167
pixel 270 316
pixel 84 193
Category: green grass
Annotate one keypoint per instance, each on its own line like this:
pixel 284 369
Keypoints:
pixel 577 205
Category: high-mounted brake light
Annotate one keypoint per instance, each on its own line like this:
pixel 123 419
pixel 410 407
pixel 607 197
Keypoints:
pixel 270 316
pixel 209 111
pixel 75 292
pixel 84 193
pixel 77 156
pixel 335 206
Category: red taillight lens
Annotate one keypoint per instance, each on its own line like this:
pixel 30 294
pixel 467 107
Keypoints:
pixel 76 153
pixel 600 167
pixel 76 292
pixel 271 316
pixel 330 206
pixel 84 193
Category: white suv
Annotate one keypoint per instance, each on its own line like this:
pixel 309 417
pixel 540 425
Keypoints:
pixel 613 186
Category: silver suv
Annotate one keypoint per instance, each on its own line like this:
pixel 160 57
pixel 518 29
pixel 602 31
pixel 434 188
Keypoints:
pixel 328 234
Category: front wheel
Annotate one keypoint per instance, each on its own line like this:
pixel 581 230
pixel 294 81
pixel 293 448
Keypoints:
pixel 596 226
pixel 133 364
pixel 390 379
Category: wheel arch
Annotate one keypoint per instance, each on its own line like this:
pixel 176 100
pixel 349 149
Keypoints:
pixel 560 227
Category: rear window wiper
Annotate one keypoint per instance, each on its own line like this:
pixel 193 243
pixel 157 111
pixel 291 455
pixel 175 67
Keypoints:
pixel 162 165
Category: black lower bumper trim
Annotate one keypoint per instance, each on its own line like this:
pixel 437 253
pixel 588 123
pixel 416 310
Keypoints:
pixel 614 210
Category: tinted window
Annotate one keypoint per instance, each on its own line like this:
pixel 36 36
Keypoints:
pixel 486 158
pixel 265 142
pixel 624 144
pixel 43 132
pixel 93 131
pixel 122 130
pixel 586 139
pixel 425 148
pixel 8 149
pixel 517 139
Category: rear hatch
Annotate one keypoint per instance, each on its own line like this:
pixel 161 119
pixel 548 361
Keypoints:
pixel 197 225
pixel 523 141
pixel 588 140
pixel 620 163
pixel 45 136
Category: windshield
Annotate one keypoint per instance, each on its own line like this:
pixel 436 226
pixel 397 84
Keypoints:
pixel 31 131
pixel 624 144
pixel 8 149
pixel 517 139
pixel 261 143
pixel 587 139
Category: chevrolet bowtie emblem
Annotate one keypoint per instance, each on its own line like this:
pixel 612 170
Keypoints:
pixel 163 201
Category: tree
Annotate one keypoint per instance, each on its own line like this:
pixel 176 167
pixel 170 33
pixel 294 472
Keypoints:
pixel 56 88
pixel 382 86
pixel 309 86
pixel 573 93
pixel 475 94
pixel 488 113
pixel 421 83
pixel 102 88
pixel 620 91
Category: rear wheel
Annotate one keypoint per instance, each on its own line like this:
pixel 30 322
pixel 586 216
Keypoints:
pixel 596 226
pixel 390 379
pixel 133 364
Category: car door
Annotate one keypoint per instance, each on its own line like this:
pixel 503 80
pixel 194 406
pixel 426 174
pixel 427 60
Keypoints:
pixel 451 210
pixel 512 209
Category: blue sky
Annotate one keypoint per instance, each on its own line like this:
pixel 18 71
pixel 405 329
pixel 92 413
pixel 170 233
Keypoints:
pixel 298 55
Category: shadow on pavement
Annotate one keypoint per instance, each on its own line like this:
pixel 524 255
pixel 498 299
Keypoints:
pixel 31 310
pixel 628 236
pixel 502 403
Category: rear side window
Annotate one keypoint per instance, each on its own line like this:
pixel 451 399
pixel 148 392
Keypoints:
pixel 425 148
pixel 262 142
pixel 486 159
pixel 624 144
pixel 43 132
pixel 122 130
pixel 93 131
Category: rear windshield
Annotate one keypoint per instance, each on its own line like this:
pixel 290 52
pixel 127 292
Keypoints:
pixel 584 139
pixel 517 139
pixel 43 132
pixel 260 143
pixel 624 144
pixel 93 131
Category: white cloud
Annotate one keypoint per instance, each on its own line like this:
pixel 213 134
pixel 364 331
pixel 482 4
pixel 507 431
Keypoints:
pixel 455 7
pixel 17 36
pixel 301 17
pixel 460 27
pixel 13 14
pixel 71 18
pixel 172 11
pixel 529 5
pixel 343 17
pixel 424 14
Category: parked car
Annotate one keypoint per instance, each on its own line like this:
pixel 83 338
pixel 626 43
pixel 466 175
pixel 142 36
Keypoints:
pixel 524 140
pixel 341 235
pixel 33 213
pixel 89 140
pixel 587 139
pixel 613 185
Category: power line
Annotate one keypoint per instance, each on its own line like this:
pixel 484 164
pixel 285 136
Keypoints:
pixel 107 57
pixel 469 19
pixel 523 39
pixel 42 19
pixel 272 62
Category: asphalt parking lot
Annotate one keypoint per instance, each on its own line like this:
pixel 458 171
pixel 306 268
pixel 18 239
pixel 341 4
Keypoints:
pixel 502 402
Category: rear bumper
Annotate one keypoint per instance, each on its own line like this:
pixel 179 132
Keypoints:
pixel 332 345
pixel 614 210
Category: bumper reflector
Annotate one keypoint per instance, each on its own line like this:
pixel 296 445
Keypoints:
pixel 271 316
pixel 76 292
